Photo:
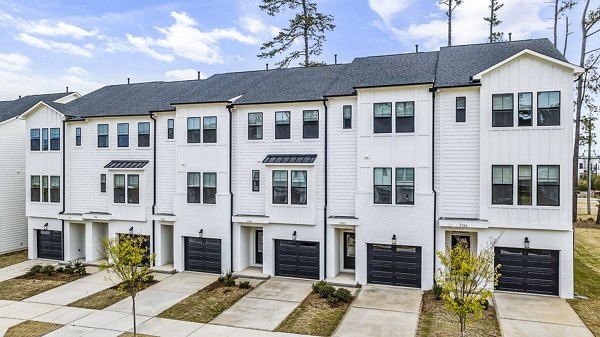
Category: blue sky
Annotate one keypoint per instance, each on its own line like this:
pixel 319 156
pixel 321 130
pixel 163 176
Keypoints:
pixel 48 45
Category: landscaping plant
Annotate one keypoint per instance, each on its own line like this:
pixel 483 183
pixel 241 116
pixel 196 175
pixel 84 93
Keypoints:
pixel 128 258
pixel 332 295
pixel 467 280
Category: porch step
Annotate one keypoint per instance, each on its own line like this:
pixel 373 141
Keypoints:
pixel 343 280
pixel 253 273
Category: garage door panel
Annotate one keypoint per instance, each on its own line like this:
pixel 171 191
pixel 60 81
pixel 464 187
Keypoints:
pixel 49 245
pixel 527 270
pixel 297 259
pixel 202 255
pixel 394 265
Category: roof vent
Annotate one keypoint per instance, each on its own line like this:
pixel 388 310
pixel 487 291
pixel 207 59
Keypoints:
pixel 335 58
pixel 509 36
pixel 67 90
pixel 416 48
pixel 267 66
pixel 128 80
pixel 199 76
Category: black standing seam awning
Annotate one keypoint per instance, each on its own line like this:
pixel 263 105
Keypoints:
pixel 126 164
pixel 290 159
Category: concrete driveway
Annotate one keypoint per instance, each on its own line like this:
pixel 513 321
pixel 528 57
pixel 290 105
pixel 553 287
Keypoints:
pixel 265 307
pixel 531 315
pixel 381 311
pixel 20 268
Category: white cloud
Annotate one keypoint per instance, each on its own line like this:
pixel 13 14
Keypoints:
pixel 387 9
pixel 79 84
pixel 77 71
pixel 256 26
pixel 46 28
pixel 143 45
pixel 55 46
pixel 184 74
pixel 14 62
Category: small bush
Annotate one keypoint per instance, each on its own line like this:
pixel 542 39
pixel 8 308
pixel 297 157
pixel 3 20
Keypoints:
pixel 343 295
pixel 68 269
pixel 221 279
pixel 485 304
pixel 227 290
pixel 317 286
pixel 437 291
pixel 228 274
pixel 47 270
pixel 245 285
pixel 229 282
pixel 35 270
pixel 332 300
pixel 60 269
pixel 148 278
pixel 327 291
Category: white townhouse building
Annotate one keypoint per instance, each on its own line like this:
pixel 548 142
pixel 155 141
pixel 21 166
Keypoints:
pixel 13 222
pixel 354 173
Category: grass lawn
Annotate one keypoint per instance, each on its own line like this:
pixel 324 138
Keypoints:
pixel 435 320
pixel 106 297
pixel 31 329
pixel 23 287
pixel 9 259
pixel 587 275
pixel 206 304
pixel 314 316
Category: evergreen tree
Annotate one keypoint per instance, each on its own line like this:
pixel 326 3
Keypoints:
pixel 452 4
pixel 494 21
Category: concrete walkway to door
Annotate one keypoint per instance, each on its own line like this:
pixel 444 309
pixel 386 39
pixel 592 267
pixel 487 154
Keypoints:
pixel 523 315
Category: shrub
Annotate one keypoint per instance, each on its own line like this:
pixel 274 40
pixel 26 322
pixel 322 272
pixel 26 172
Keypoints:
pixel 60 269
pixel 245 285
pixel 47 269
pixel 343 295
pixel 148 278
pixel 327 291
pixel 485 304
pixel 34 270
pixel 227 290
pixel 317 286
pixel 78 268
pixel 332 300
pixel 221 279
pixel 68 269
pixel 228 274
pixel 229 282
pixel 437 291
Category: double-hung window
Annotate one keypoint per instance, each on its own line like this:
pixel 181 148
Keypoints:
pixel 209 187
pixel 548 108
pixel 210 130
pixel 55 139
pixel 103 183
pixel 54 189
pixel 193 187
pixel 255 125
pixel 144 134
pixel 280 187
pixel 525 109
pixel 282 125
pixel 298 193
pixel 347 116
pixel 45 188
pixel 255 180
pixel 405 186
pixel 502 110
pixel 170 128
pixel 405 117
pixel 311 124
pixel 382 117
pixel 193 130
pixel 123 135
pixel 524 185
pixel 502 185
pixel 44 139
pixel 77 136
pixel 119 188
pixel 35 188
pixel 382 185
pixel 102 135
pixel 133 189
pixel 548 185
pixel 35 139
pixel 461 109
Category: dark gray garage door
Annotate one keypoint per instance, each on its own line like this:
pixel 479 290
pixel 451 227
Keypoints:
pixel 527 270
pixel 203 255
pixel 297 259
pixel 394 265
pixel 49 245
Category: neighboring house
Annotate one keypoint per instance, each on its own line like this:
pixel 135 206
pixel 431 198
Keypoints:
pixel 582 166
pixel 359 170
pixel 13 222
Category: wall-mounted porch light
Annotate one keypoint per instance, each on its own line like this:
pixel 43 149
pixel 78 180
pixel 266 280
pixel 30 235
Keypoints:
pixel 46 226
pixel 394 239
pixel 526 243
pixel 294 236
pixel 131 230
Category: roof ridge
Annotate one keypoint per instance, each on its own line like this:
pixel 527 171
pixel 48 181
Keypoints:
pixel 398 54
pixel 492 43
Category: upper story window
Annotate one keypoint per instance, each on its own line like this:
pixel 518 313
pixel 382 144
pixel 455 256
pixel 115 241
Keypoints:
pixel 144 134
pixel 298 193
pixel 548 185
pixel 382 117
pixel 548 108
pixel 209 187
pixel 193 187
pixel 44 188
pixel 347 116
pixel 502 110
pixel 461 109
pixel 55 139
pixel 77 136
pixel 44 139
pixel 280 187
pixel 103 183
pixel 311 124
pixel 193 130
pixel 133 189
pixel 170 128
pixel 255 180
pixel 282 125
pixel 580 165
pixel 525 109
pixel 524 185
pixel 255 125
pixel 35 139
pixel 210 130
pixel 54 189
pixel 119 188
pixel 405 117
pixel 502 185
pixel 102 135
pixel 123 135
pixel 35 188
pixel 405 186
pixel 382 185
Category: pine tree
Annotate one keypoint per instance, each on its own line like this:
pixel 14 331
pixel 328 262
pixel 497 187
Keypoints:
pixel 494 22
pixel 452 4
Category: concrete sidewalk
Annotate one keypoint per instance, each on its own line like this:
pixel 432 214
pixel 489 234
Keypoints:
pixel 20 268
pixel 534 315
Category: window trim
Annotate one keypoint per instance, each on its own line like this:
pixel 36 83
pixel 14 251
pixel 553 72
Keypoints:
pixel 519 185
pixel 198 188
pixel 288 124
pixel 257 135
pixel 124 188
pixel 305 188
pixel 404 118
pixel 209 188
pixel 344 118
pixel 512 184
pixel 255 180
pixel 51 189
pixel 519 109
pixel 287 188
pixel 538 186
pixel 45 139
pixel 310 125
pixel 131 189
pixel 512 110
pixel 396 185
pixel 390 118
pixel 38 188
pixel 38 139
pixel 462 110
pixel 54 139
pixel 141 135
pixel 104 136
pixel 390 186
pixel 78 136
pixel 559 107
pixel 193 131
pixel 205 130
pixel 103 183
pixel 170 128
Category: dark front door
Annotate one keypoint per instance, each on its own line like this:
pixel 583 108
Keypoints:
pixel 49 245
pixel 258 246
pixel 461 239
pixel 297 259
pixel 203 255
pixel 527 270
pixel 349 250
pixel 394 265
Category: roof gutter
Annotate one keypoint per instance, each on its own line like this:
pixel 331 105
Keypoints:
pixel 153 186
pixel 326 201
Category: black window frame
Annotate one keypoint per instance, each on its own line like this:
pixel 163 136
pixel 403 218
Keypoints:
pixel 119 188
pixel 209 192
pixel 35 137
pixel 35 188
pixel 102 183
pixel 524 186
pixel 45 189
pixel 543 110
pixel 503 112
pixel 280 190
pixel 54 188
pixel 461 109
pixel 170 128
pixel 255 126
pixel 405 186
pixel 283 128
pixel 501 190
pixel 546 185
pixel 103 140
pixel 77 136
pixel 122 138
pixel 194 134
pixel 194 188
pixel 310 127
pixel 54 139
pixel 379 188
pixel 133 189
pixel 347 117
pixel 525 109
pixel 45 139
pixel 143 135
pixel 405 117
pixel 383 123
pixel 255 180
pixel 299 192
pixel 209 131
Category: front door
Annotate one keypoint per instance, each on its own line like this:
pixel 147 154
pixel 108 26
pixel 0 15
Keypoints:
pixel 258 246
pixel 349 250
pixel 461 239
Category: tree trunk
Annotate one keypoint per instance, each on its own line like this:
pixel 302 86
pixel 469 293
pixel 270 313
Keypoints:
pixel 555 21
pixel 492 21
pixel 306 59
pixel 133 310
pixel 462 327
pixel 566 37
pixel 589 168
pixel 449 22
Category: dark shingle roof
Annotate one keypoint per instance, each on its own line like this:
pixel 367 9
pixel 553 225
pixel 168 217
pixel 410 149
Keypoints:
pixel 12 109
pixel 458 63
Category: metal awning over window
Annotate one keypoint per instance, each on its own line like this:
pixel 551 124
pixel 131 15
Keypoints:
pixel 290 159
pixel 126 164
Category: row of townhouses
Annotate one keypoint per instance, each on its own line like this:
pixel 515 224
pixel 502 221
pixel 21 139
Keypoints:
pixel 356 171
